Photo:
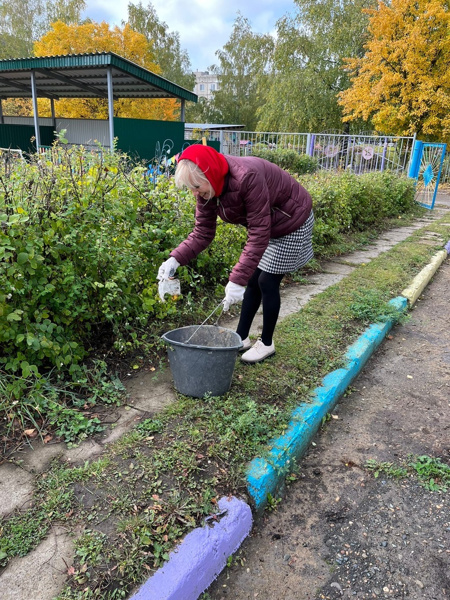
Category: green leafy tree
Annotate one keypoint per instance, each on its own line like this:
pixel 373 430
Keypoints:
pixel 22 22
pixel 307 67
pixel 402 82
pixel 243 69
pixel 203 111
pixel 67 11
pixel 174 62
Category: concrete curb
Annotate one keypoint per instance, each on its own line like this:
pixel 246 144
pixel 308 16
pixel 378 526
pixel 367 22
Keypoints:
pixel 203 554
pixel 266 475
pixel 421 280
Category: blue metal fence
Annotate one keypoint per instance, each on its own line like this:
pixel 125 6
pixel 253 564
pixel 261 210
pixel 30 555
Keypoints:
pixel 426 167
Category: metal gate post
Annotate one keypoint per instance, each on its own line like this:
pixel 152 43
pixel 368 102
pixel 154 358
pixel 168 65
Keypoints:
pixel 416 156
pixel 438 176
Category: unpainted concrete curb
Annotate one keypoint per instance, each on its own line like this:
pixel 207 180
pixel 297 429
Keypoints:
pixel 202 555
pixel 421 280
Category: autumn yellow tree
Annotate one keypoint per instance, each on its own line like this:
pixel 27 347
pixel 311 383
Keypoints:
pixel 90 37
pixel 402 83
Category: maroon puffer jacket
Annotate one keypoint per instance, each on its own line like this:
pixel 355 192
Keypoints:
pixel 258 195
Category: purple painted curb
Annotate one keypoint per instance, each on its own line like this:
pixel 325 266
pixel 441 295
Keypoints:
pixel 201 556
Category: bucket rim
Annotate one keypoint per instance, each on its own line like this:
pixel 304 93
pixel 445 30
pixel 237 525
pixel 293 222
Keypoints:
pixel 199 346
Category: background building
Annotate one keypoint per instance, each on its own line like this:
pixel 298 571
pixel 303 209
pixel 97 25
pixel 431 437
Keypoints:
pixel 205 84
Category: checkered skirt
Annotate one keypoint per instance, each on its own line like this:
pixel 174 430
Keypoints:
pixel 290 252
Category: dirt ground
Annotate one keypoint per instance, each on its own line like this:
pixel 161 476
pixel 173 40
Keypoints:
pixel 339 532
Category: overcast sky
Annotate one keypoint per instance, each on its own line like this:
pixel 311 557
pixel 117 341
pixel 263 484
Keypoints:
pixel 204 25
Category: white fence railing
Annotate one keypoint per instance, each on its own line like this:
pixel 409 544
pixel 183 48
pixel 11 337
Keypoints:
pixel 358 153
pixel 445 174
pixel 361 153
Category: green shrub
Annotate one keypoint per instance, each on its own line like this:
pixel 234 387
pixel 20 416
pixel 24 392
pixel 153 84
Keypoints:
pixel 80 243
pixel 287 159
pixel 81 239
pixel 345 202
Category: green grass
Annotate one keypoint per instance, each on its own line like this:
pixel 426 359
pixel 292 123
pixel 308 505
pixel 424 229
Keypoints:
pixel 160 480
pixel 386 468
pixel 53 502
pixel 431 472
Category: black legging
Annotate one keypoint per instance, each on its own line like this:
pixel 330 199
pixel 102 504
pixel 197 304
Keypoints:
pixel 266 287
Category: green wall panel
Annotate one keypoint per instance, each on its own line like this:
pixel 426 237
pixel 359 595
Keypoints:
pixel 213 143
pixel 146 140
pixel 19 136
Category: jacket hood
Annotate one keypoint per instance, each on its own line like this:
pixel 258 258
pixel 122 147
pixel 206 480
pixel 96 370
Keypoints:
pixel 212 163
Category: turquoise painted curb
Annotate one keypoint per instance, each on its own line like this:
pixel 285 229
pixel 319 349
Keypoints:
pixel 266 475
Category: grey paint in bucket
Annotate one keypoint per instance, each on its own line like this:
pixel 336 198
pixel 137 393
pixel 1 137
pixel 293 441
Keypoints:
pixel 205 364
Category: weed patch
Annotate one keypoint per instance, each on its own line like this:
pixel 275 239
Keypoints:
pixel 431 472
pixel 22 531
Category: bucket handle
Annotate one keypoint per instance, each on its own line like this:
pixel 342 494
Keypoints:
pixel 208 317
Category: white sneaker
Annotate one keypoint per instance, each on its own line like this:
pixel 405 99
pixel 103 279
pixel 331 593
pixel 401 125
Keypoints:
pixel 247 344
pixel 258 352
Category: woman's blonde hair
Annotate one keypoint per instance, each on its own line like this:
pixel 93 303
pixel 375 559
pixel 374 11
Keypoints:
pixel 188 174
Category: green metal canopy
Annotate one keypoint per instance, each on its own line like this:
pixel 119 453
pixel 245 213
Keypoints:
pixel 84 76
pixel 100 75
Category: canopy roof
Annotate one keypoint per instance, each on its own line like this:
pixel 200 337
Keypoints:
pixel 212 126
pixel 84 76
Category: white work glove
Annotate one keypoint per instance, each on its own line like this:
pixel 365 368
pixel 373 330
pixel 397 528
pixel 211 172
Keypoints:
pixel 234 293
pixel 167 269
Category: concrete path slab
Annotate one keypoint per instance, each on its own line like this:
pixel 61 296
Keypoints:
pixel 16 488
pixel 150 391
pixel 42 573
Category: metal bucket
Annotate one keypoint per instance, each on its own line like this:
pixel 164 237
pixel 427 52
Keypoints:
pixel 202 362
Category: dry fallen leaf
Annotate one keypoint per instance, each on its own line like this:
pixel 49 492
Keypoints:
pixel 30 433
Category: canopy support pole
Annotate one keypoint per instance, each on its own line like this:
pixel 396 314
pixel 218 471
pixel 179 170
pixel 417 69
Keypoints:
pixel 183 111
pixel 35 111
pixel 1 113
pixel 52 107
pixel 110 108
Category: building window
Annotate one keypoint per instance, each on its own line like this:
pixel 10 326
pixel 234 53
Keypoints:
pixel 202 87
pixel 213 87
